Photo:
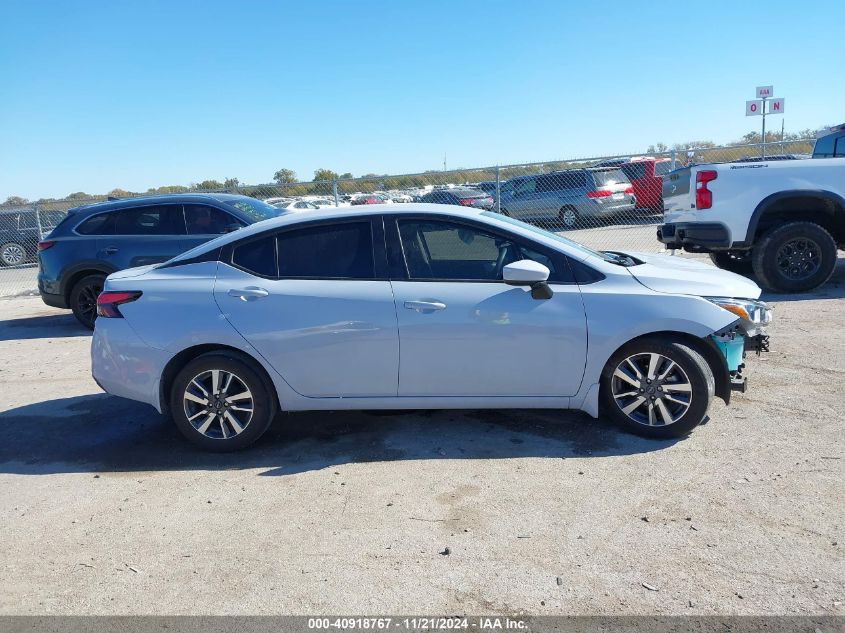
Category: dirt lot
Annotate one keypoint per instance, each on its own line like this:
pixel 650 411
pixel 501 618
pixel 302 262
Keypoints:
pixel 107 510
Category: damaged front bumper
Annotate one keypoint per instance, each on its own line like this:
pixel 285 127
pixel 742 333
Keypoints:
pixel 735 343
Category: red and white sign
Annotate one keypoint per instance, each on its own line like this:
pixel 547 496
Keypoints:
pixel 754 108
pixel 775 106
pixel 765 92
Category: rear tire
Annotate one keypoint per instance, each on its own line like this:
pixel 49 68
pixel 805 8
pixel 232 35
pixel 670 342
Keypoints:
pixel 83 299
pixel 734 261
pixel 661 398
pixel 569 218
pixel 12 254
pixel 795 257
pixel 222 402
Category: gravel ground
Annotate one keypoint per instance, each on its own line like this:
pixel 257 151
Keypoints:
pixel 106 510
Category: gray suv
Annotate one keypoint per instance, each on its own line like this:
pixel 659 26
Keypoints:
pixel 573 197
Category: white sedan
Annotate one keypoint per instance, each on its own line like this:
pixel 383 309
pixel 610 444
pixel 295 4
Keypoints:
pixel 419 306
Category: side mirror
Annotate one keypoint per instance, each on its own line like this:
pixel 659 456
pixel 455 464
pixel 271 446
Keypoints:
pixel 526 272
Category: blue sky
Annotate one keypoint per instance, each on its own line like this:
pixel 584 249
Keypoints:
pixel 97 95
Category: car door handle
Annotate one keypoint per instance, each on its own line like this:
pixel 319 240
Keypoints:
pixel 248 294
pixel 425 306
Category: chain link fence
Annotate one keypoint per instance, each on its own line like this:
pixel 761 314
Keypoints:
pixel 607 203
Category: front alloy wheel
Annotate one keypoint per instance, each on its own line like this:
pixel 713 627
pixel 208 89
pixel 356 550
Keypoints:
pixel 657 386
pixel 651 389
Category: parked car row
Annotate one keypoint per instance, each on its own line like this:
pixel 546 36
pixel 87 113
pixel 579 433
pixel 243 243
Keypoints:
pixel 20 230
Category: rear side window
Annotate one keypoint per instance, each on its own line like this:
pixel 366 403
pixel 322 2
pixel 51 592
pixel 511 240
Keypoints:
pixel 561 181
pixel 102 224
pixel 163 219
pixel 333 251
pixel 257 256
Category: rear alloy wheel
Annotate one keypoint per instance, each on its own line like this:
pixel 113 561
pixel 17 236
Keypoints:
pixel 657 388
pixel 569 218
pixel 795 257
pixel 83 299
pixel 221 403
pixel 734 261
pixel 12 254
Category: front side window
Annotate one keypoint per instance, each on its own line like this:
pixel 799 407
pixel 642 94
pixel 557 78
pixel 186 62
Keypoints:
pixel 204 220
pixel 165 219
pixel 437 249
pixel 524 187
pixel 330 251
pixel 255 210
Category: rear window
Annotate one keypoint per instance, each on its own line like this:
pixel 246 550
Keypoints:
pixel 662 168
pixel 609 177
pixel 634 171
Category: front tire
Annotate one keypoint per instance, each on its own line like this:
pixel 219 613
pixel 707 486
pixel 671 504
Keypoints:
pixel 12 254
pixel 221 402
pixel 657 387
pixel 734 261
pixel 83 299
pixel 795 257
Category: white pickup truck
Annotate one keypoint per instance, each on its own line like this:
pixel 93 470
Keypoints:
pixel 781 219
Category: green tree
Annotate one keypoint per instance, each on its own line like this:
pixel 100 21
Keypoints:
pixel 231 183
pixel 15 201
pixel 324 174
pixel 285 176
pixel 346 175
pixel 79 195
pixel 208 184
pixel 119 193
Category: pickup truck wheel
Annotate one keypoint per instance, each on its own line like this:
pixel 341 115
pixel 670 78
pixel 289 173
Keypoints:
pixel 734 261
pixel 657 387
pixel 794 257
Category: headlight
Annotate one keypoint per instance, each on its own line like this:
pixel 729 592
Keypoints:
pixel 756 312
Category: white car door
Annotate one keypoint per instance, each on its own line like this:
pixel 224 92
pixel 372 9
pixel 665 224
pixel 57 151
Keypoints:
pixel 309 300
pixel 464 332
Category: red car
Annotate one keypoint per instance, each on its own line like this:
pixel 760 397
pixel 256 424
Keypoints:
pixel 645 174
pixel 370 198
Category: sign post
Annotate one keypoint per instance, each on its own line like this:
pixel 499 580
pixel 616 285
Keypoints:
pixel 757 107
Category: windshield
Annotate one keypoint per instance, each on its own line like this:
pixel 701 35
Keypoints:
pixel 536 229
pixel 609 177
pixel 255 210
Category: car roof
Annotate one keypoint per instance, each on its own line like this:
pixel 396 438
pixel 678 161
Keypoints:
pixel 331 213
pixel 167 198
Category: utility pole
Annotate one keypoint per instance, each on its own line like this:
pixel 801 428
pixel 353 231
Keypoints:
pixel 444 161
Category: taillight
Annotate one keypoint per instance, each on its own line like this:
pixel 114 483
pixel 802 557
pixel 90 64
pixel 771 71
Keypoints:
pixel 45 244
pixel 703 196
pixel 107 302
pixel 629 189
pixel 601 193
pixel 466 202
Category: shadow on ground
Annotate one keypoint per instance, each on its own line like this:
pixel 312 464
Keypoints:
pixel 102 433
pixel 45 326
